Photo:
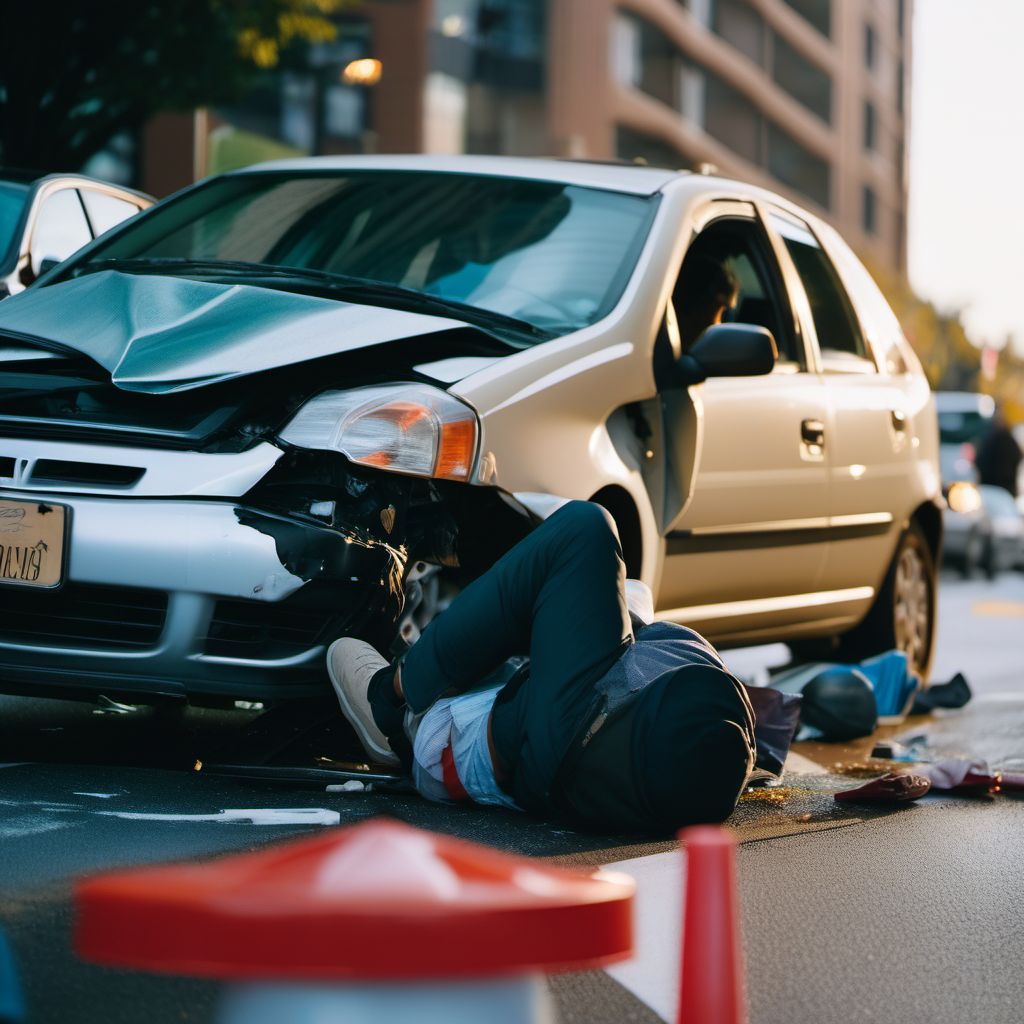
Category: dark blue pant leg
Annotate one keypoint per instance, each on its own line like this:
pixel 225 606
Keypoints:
pixel 558 596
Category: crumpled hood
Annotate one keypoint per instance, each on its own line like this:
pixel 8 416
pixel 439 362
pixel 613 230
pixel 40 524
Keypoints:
pixel 161 334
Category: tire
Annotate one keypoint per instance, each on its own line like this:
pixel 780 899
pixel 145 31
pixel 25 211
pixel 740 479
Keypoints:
pixel 903 615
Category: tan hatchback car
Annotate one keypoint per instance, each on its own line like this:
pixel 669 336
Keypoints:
pixel 299 400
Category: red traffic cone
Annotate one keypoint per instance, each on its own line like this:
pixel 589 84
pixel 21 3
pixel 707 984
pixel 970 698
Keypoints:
pixel 323 928
pixel 712 990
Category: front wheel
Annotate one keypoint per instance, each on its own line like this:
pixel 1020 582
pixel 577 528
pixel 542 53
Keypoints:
pixel 903 615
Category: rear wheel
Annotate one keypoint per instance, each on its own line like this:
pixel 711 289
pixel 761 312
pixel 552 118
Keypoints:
pixel 903 615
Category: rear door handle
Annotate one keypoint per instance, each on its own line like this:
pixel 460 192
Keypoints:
pixel 899 420
pixel 813 433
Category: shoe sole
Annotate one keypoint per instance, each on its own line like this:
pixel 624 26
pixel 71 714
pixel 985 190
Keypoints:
pixel 382 755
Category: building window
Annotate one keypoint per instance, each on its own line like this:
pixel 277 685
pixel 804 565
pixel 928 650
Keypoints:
pixel 901 17
pixel 733 120
pixel 817 12
pixel 642 57
pixel 901 72
pixel 625 51
pixel 870 211
pixel 649 149
pixel 798 168
pixel 738 24
pixel 870 47
pixel 804 81
pixel 870 126
pixel 700 11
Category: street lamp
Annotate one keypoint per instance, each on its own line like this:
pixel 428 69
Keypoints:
pixel 365 71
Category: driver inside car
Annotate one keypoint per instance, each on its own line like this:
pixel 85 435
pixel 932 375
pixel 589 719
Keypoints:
pixel 706 290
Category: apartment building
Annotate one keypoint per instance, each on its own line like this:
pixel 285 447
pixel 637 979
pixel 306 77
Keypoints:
pixel 807 97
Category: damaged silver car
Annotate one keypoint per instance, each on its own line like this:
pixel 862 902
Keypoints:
pixel 311 398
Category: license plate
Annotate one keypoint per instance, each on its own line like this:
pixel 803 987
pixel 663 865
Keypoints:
pixel 32 543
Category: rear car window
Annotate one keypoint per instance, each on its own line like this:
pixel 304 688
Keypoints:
pixel 835 322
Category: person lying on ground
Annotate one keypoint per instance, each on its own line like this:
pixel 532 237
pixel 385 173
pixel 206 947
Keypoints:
pixel 612 724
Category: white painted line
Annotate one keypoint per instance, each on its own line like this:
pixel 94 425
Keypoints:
pixel 653 973
pixel 99 796
pixel 259 816
pixel 30 827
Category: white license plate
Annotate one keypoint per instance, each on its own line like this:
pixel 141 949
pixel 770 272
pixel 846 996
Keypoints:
pixel 32 542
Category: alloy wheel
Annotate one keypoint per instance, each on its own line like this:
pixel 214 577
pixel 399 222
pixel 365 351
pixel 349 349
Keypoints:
pixel 912 606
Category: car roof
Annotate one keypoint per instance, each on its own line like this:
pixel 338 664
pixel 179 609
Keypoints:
pixel 632 178
pixel 24 177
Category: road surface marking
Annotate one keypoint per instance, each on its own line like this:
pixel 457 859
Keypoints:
pixel 1000 609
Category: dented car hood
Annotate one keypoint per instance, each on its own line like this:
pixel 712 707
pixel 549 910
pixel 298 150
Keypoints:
pixel 160 334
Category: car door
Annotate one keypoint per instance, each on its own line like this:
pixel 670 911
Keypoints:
pixel 747 547
pixel 105 210
pixel 870 429
pixel 59 228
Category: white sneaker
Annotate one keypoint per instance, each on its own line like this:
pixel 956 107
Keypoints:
pixel 351 664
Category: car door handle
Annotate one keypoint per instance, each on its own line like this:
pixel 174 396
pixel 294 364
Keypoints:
pixel 899 420
pixel 813 433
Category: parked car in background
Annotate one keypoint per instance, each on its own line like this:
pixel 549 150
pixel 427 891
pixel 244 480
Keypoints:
pixel 964 419
pixel 298 401
pixel 44 219
pixel 983 529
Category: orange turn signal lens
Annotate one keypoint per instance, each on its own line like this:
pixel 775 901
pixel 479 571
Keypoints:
pixel 455 450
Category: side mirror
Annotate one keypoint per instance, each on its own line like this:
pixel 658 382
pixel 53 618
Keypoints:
pixel 729 350
pixel 46 264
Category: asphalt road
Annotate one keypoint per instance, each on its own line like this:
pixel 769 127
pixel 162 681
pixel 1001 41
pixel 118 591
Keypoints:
pixel 914 917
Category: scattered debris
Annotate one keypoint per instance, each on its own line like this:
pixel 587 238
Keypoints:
pixel 961 775
pixel 892 750
pixel 954 694
pixel 895 787
pixel 352 786
pixel 861 769
pixel 769 795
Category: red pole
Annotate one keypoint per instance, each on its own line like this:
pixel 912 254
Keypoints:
pixel 712 990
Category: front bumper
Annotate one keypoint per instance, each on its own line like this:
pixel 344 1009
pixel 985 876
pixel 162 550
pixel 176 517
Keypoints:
pixel 193 598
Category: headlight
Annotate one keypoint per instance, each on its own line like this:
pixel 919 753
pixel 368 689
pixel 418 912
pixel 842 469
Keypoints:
pixel 405 428
pixel 964 497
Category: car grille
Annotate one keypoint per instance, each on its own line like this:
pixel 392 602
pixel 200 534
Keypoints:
pixel 82 615
pixel 256 629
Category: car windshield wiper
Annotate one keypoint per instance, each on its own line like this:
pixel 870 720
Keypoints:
pixel 342 285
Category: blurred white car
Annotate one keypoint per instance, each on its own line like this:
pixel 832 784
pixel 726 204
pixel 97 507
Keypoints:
pixel 43 220
pixel 291 401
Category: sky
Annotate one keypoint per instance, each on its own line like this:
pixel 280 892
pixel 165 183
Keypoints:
pixel 966 220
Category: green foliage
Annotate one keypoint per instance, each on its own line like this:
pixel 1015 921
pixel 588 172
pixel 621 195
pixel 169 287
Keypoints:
pixel 74 75
pixel 951 361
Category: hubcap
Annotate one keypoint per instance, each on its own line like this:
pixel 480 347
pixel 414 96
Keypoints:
pixel 912 610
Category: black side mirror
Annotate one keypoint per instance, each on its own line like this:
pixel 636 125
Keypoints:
pixel 729 350
pixel 46 264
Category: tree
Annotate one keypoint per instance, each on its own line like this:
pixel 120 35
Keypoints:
pixel 72 76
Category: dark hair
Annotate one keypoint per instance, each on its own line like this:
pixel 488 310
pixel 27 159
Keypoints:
pixel 706 282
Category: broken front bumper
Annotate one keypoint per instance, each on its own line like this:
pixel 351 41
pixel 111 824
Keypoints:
pixel 193 598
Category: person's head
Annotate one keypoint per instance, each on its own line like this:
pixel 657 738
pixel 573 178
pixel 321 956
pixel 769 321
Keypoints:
pixel 706 289
pixel 693 739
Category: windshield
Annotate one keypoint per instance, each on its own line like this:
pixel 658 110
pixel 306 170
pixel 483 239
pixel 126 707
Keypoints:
pixel 959 427
pixel 12 202
pixel 553 255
